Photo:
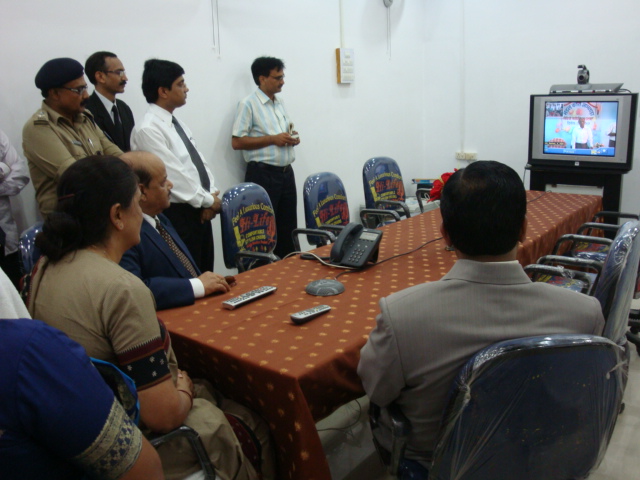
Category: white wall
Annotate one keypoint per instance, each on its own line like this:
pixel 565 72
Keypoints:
pixel 449 60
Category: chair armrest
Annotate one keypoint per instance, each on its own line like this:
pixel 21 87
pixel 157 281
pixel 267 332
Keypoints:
pixel 196 443
pixel 606 227
pixel 335 229
pixel 400 207
pixel 263 256
pixel 377 214
pixel 400 430
pixel 422 194
pixel 295 235
pixel 571 261
pixel 604 213
pixel 536 270
pixel 573 237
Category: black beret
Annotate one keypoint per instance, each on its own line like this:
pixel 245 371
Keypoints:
pixel 57 72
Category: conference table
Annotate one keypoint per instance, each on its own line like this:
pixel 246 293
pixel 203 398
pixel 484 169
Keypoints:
pixel 294 376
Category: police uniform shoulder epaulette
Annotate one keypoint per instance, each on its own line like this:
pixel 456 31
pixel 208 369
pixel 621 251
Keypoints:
pixel 40 118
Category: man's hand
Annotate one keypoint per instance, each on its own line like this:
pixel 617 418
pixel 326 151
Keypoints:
pixel 214 283
pixel 207 214
pixel 284 140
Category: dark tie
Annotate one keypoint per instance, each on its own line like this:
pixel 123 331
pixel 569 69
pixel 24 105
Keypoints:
pixel 119 133
pixel 175 249
pixel 193 153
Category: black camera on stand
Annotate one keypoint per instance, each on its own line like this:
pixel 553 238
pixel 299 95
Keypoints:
pixel 583 75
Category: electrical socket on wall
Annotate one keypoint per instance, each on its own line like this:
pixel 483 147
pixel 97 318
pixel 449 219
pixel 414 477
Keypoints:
pixel 468 156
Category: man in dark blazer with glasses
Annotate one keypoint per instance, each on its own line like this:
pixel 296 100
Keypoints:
pixel 114 117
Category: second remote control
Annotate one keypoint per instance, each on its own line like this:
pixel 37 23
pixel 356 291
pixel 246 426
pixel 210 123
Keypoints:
pixel 247 297
pixel 305 315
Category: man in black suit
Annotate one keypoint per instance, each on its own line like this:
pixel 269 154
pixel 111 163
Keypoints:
pixel 114 117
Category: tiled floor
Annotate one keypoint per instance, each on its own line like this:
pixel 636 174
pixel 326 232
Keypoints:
pixel 347 440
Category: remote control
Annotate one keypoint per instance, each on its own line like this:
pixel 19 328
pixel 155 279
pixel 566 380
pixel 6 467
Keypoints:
pixel 247 297
pixel 305 315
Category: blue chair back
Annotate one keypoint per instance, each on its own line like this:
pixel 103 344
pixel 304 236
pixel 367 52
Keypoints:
pixel 325 203
pixel 248 221
pixel 617 284
pixel 382 180
pixel 532 408
pixel 28 250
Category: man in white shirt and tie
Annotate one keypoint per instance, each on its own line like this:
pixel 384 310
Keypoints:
pixel 194 198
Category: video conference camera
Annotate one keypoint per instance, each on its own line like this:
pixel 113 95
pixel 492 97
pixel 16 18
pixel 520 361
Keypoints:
pixel 583 75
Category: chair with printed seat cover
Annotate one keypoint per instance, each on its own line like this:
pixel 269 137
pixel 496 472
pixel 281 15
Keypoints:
pixel 560 276
pixel 28 250
pixel 577 274
pixel 124 389
pixel 325 204
pixel 248 227
pixel 591 267
pixel 383 186
pixel 584 245
pixel 326 207
pixel 529 408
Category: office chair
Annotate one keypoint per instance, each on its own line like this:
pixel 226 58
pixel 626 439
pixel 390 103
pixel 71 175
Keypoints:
pixel 527 409
pixel 587 246
pixel 326 207
pixel 248 227
pixel 124 388
pixel 560 276
pixel 325 204
pixel 383 186
pixel 617 285
pixel 28 250
pixel 618 249
pixel 578 274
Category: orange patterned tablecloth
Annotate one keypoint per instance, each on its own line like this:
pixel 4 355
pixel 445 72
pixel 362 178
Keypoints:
pixel 293 375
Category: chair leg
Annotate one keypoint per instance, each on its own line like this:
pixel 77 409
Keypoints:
pixel 634 337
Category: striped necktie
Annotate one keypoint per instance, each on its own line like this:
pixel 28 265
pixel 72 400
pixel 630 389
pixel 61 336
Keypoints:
pixel 175 249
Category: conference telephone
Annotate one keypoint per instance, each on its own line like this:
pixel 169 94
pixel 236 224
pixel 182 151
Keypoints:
pixel 355 246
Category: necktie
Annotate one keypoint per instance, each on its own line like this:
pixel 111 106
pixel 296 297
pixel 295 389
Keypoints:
pixel 175 249
pixel 193 153
pixel 119 133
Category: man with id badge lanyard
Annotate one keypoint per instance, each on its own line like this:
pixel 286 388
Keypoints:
pixel 265 133
pixel 61 131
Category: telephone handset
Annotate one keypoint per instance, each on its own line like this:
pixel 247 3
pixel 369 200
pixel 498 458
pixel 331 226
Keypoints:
pixel 355 246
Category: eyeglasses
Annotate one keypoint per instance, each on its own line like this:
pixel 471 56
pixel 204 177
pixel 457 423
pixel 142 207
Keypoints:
pixel 78 90
pixel 120 73
pixel 278 78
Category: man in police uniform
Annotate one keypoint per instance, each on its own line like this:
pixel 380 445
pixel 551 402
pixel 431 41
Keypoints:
pixel 60 132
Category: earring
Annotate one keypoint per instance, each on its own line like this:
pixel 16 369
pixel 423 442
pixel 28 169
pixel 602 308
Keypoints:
pixel 120 226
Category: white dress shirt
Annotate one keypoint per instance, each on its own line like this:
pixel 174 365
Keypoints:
pixel 581 135
pixel 156 134
pixel 196 283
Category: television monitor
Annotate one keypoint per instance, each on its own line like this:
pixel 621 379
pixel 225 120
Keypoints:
pixel 583 131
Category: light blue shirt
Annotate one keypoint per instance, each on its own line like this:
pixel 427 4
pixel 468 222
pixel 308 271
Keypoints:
pixel 257 115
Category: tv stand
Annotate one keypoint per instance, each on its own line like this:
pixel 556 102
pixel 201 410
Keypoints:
pixel 610 180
